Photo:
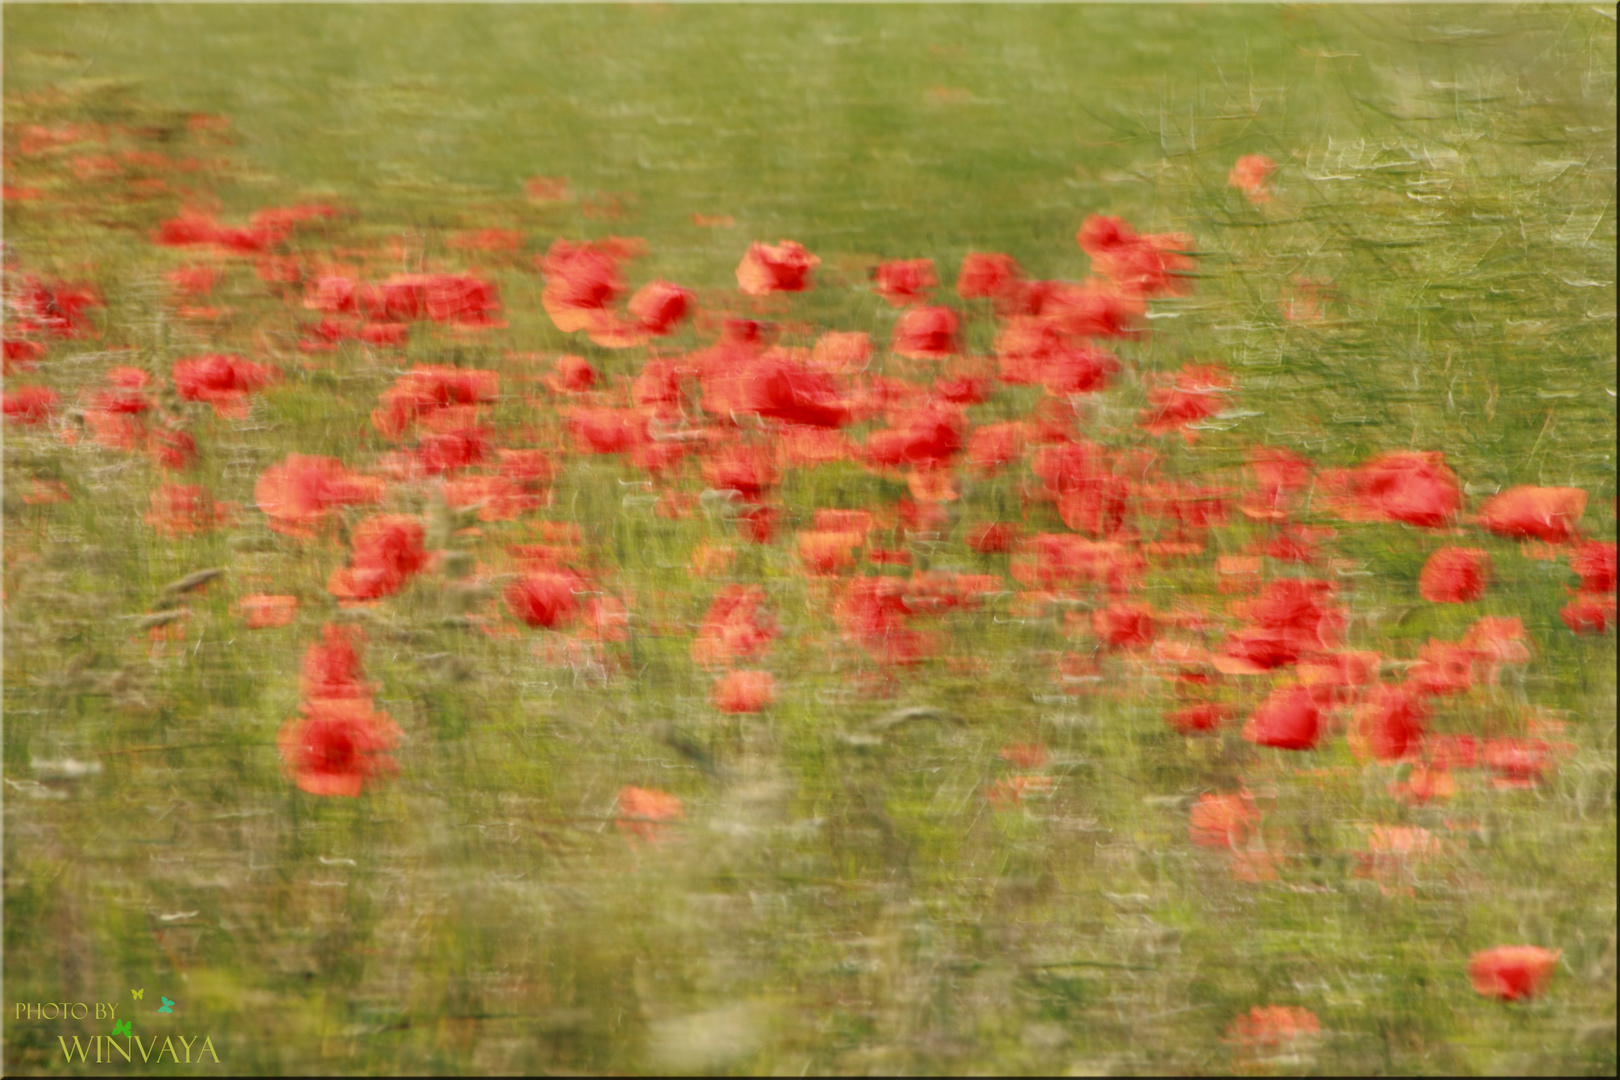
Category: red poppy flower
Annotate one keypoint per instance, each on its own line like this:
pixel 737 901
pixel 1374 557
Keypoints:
pixel 1442 668
pixel 927 333
pixel 1552 514
pixel 778 388
pixel 1061 560
pixel 1291 616
pixel 582 283
pixel 221 380
pixel 1517 763
pixel 262 612
pixel 1250 174
pixel 182 509
pixel 451 451
pixel 1222 821
pixel 744 691
pixel 29 404
pixel 387 552
pixel 872 614
pixel 1194 395
pixel 22 355
pixel 194 280
pixel 992 538
pixel 1512 972
pixel 1451 751
pixel 301 491
pixel 659 306
pixel 1198 719
pixel 1271 1028
pixel 824 553
pixel 1594 561
pixel 1407 486
pixel 1288 720
pixel 1278 474
pixel 1454 575
pixel 1149 265
pixel 1390 725
pixel 332 665
pixel 544 599
pixel 1423 785
pixel 606 431
pixel 1124 625
pixel 643 812
pixel 905 282
pixel 736 627
pixel 1587 614
pixel 767 269
pixel 841 353
pixel 991 276
pixel 56 309
pixel 339 746
pixel 1498 640
pixel 930 437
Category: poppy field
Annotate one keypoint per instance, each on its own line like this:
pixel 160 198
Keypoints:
pixel 701 539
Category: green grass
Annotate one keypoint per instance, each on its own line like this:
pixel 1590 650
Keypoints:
pixel 830 906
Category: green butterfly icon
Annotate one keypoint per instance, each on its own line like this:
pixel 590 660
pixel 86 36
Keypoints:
pixel 121 1029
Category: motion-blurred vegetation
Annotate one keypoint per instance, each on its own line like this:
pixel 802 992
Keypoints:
pixel 857 884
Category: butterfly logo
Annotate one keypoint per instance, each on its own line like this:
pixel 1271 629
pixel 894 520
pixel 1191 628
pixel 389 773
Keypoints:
pixel 167 1006
pixel 121 1029
pixel 136 994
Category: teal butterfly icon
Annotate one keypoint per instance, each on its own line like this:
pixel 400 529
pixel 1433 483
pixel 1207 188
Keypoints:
pixel 121 1029
pixel 167 1006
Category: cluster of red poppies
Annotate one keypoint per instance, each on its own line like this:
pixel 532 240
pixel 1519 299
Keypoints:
pixel 755 401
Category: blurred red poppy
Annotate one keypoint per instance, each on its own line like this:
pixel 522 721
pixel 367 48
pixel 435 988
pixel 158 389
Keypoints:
pixel 339 746
pixel 1198 719
pixel 1288 720
pixel 544 599
pixel 582 283
pixel 1389 726
pixel 1413 487
pixel 744 691
pixel 1588 614
pixel 332 665
pixel 1222 821
pixel 905 282
pixel 1148 265
pixel 926 333
pixel 993 538
pixel 301 491
pixel 29 404
pixel 1272 1028
pixel 659 306
pixel 1124 625
pixel 1552 514
pixel 221 380
pixel 182 509
pixel 783 267
pixel 1594 561
pixel 1250 174
pixel 991 276
pixel 1513 972
pixel 261 612
pixel 644 812
pixel 1455 575
pixel 387 552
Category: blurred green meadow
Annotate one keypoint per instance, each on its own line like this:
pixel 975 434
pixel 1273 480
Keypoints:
pixel 842 896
